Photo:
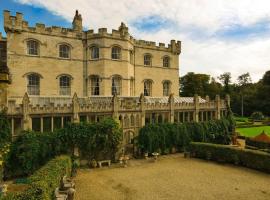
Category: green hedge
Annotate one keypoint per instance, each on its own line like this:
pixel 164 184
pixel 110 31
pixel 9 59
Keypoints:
pixel 259 145
pixel 44 181
pixel 163 137
pixel 248 158
pixel 31 150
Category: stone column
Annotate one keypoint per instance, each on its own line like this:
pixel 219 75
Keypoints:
pixel 41 124
pixel 52 124
pixel 115 102
pixel 75 108
pixel 196 108
pixel 142 102
pixel 171 103
pixel 25 110
pixel 217 101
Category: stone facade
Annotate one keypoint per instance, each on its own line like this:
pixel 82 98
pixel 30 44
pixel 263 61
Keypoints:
pixel 50 76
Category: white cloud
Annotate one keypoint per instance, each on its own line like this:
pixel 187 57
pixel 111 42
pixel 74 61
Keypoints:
pixel 211 55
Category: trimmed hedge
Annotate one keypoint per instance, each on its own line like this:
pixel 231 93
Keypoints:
pixel 44 181
pixel 248 158
pixel 259 145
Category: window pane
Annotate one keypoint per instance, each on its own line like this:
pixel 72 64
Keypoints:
pixel 33 84
pixel 116 86
pixel 65 88
pixel 147 88
pixel 116 51
pixel 147 60
pixel 47 124
pixel 32 47
pixel 67 120
pixel 166 88
pixel 56 123
pixel 94 81
pixel 36 124
pixel 94 52
pixel 64 51
pixel 166 62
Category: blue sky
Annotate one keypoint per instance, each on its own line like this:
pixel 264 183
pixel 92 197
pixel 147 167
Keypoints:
pixel 217 35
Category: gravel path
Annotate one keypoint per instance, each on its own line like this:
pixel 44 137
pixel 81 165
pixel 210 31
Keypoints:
pixel 172 178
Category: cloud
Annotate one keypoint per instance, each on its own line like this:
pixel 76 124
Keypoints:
pixel 217 35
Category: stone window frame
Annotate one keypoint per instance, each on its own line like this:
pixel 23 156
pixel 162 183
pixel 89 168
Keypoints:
pixel 94 55
pixel 116 88
pixel 166 60
pixel 116 55
pixel 147 59
pixel 147 87
pixel 94 90
pixel 65 90
pixel 33 83
pixel 36 52
pixel 62 53
pixel 166 91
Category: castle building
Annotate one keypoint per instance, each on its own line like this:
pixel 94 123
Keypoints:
pixel 50 76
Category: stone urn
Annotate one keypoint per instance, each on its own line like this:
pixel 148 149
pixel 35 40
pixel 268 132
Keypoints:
pixel 155 154
pixel 146 155
pixel 93 163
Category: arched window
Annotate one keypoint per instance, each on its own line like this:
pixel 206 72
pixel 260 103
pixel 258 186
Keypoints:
pixel 64 83
pixel 33 86
pixel 166 88
pixel 147 88
pixel 116 53
pixel 132 120
pixel 64 51
pixel 94 52
pixel 32 47
pixel 94 85
pixel 147 60
pixel 116 85
pixel 166 61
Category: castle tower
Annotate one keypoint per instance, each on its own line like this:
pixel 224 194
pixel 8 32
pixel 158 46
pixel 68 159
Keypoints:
pixel 77 22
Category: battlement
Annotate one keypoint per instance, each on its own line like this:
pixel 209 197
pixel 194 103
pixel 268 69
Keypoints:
pixel 2 38
pixel 17 24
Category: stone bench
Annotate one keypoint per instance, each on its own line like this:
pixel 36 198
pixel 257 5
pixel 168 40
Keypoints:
pixel 104 161
pixel 60 195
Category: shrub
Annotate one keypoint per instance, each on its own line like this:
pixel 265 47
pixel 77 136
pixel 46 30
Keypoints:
pixel 249 158
pixel 155 137
pixel 44 181
pixel 257 116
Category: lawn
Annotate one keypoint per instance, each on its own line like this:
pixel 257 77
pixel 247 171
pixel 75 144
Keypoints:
pixel 172 177
pixel 253 131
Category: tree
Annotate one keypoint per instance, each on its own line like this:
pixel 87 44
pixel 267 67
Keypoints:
pixel 266 78
pixel 243 81
pixel 225 79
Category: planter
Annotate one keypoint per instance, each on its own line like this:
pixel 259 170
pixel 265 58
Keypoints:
pixel 145 155
pixel 93 163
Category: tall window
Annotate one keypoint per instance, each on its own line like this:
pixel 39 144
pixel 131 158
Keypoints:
pixel 94 52
pixel 147 88
pixel 116 85
pixel 94 81
pixel 64 51
pixel 64 83
pixel 147 60
pixel 166 88
pixel 33 84
pixel 116 53
pixel 166 61
pixel 32 47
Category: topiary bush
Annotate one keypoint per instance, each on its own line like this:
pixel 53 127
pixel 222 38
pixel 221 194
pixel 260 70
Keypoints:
pixel 257 116
pixel 248 158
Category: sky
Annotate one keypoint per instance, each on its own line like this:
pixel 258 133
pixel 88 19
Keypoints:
pixel 217 35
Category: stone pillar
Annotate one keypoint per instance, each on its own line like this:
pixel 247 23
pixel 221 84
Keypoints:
pixel 52 124
pixel 115 102
pixel 76 108
pixel 41 124
pixel 171 103
pixel 196 108
pixel 217 101
pixel 25 110
pixel 142 102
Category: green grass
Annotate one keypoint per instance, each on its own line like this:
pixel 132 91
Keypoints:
pixel 253 131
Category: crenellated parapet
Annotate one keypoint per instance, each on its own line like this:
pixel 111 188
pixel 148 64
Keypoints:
pixel 17 24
